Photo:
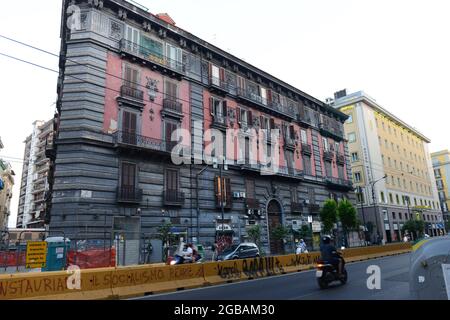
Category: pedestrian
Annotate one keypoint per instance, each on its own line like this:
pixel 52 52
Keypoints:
pixel 405 238
pixel 301 248
pixel 215 250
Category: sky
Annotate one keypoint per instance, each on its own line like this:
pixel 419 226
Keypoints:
pixel 396 51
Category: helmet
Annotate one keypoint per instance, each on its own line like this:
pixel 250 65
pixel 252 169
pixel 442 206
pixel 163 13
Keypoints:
pixel 326 239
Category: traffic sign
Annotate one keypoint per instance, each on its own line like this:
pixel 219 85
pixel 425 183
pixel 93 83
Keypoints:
pixel 36 254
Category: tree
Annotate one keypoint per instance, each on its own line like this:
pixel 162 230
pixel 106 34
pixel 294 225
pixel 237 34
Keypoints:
pixel 165 235
pixel 415 227
pixel 280 232
pixel 347 215
pixel 328 215
pixel 447 225
pixel 254 233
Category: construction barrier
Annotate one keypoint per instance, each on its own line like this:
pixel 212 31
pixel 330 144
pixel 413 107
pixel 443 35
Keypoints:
pixel 141 280
pixel 124 282
pixel 12 259
pixel 93 258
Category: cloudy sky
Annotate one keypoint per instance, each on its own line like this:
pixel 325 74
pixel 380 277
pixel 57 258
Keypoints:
pixel 396 51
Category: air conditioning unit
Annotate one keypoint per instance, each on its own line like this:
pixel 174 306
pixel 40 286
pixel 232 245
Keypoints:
pixel 243 195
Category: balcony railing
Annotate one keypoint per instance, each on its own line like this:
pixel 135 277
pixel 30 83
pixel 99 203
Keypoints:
pixel 296 207
pixel 220 121
pixel 152 57
pixel 340 158
pixel 173 198
pixel 130 139
pixel 289 143
pixel 251 203
pixel 131 92
pixel 329 131
pixel 173 106
pixel 251 96
pixel 339 183
pixel 328 155
pixel 303 119
pixel 313 208
pixel 129 194
pixel 218 84
pixel 306 149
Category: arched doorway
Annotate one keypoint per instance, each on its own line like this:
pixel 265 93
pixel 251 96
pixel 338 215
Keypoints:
pixel 274 220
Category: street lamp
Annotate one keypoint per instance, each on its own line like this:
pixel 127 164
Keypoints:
pixel 375 204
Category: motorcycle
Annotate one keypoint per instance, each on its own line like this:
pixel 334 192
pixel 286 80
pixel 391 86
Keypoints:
pixel 327 273
pixel 180 258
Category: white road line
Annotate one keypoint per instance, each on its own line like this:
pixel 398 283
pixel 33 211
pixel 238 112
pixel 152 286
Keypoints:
pixel 243 282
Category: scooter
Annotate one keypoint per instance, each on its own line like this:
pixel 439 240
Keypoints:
pixel 327 273
pixel 178 259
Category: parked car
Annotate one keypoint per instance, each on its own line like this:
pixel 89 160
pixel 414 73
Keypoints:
pixel 239 251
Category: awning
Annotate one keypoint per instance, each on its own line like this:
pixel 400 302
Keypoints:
pixel 177 230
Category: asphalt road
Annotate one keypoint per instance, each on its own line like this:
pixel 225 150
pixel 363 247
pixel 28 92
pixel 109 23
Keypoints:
pixel 303 285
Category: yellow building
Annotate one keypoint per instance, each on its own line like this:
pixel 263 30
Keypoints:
pixel 441 166
pixel 391 168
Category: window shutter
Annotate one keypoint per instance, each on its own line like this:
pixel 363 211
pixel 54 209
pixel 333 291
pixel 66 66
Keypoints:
pixel 222 74
pixel 272 123
pixel 263 124
pixel 227 190
pixel 210 70
pixel 224 106
pixel 249 118
pixel 269 96
pixel 211 106
pixel 238 115
pixel 292 132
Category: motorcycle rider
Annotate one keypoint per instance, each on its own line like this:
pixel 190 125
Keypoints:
pixel 329 253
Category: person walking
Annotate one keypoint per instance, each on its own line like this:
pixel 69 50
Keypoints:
pixel 301 247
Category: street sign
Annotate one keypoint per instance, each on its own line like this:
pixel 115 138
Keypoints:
pixel 36 256
pixel 310 219
pixel 316 226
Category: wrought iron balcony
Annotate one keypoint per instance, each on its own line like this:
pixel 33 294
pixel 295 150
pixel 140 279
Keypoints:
pixel 129 194
pixel 162 62
pixel 296 207
pixel 339 184
pixel 218 85
pixel 131 93
pixel 251 97
pixel 289 143
pixel 304 120
pixel 313 208
pixel 131 140
pixel 173 198
pixel 328 131
pixel 50 149
pixel 306 149
pixel 251 203
pixel 173 107
pixel 340 158
pixel 220 122
pixel 328 155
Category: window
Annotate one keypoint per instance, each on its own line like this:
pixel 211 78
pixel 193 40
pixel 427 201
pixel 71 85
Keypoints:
pixel 386 144
pixel 357 176
pixel 391 199
pixel 400 216
pixel 303 136
pixel 128 181
pixel 174 56
pixel 218 109
pixel 152 47
pixel 328 170
pixel 171 90
pixel 129 127
pixel 307 164
pixel 395 164
pixel 393 180
pixel 355 156
pixel 132 37
pixel 171 183
pixel 382 158
pixel 325 144
pixel 382 197
pixel 132 78
pixel 222 188
pixel 394 216
pixel 399 182
pixel 397 198
pixel 244 117
pixel 250 189
pixel 341 171
pixel 265 123
pixel 437 173
pixel 351 137
pixel 389 162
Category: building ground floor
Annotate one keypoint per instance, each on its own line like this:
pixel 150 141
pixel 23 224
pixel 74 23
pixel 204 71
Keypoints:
pixel 127 197
pixel 388 222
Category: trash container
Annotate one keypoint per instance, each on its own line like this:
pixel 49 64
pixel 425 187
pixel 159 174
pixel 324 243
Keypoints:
pixel 57 248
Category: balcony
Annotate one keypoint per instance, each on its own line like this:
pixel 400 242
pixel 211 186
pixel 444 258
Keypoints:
pixel 219 122
pixel 289 144
pixel 158 61
pixel 328 155
pixel 306 149
pixel 304 120
pixel 128 140
pixel 340 158
pixel 131 96
pixel 172 107
pixel 251 204
pixel 255 100
pixel 328 131
pixel 217 85
pixel 313 208
pixel 50 149
pixel 339 184
pixel 173 198
pixel 296 207
pixel 129 195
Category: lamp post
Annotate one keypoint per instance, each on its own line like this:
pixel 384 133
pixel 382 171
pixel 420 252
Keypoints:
pixel 375 204
pixel 359 189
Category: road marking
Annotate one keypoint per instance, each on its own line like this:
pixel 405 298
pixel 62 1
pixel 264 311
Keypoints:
pixel 243 282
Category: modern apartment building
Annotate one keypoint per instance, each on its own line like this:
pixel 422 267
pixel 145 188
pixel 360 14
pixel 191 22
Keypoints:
pixel 129 79
pixel 391 164
pixel 6 190
pixel 441 166
pixel 35 176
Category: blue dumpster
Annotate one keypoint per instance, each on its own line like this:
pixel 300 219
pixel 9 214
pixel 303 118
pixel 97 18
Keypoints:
pixel 57 248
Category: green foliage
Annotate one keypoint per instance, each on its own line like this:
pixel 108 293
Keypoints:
pixel 370 227
pixel 254 233
pixel 164 234
pixel 280 232
pixel 447 225
pixel 415 227
pixel 347 215
pixel 328 215
pixel 305 232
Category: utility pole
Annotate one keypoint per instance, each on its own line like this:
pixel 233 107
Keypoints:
pixel 363 215
pixel 375 204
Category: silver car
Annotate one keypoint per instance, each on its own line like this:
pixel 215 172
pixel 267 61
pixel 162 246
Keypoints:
pixel 239 251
